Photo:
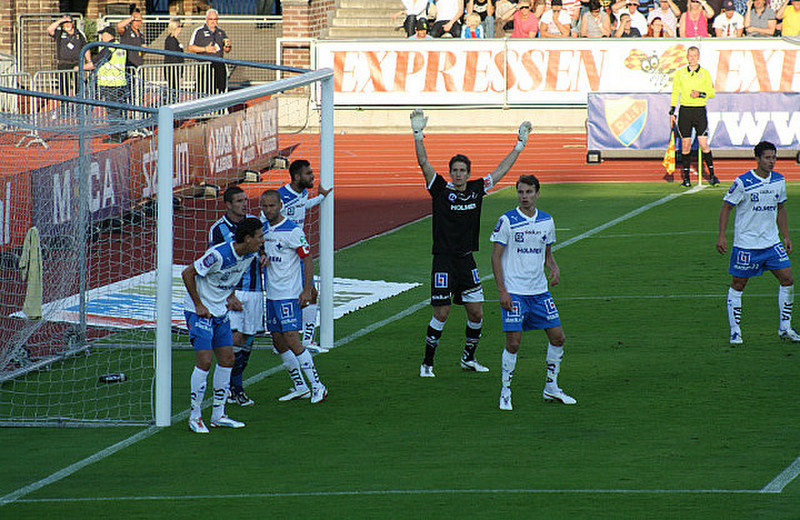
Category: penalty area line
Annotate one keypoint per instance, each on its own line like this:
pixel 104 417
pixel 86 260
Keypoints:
pixel 16 495
pixel 389 492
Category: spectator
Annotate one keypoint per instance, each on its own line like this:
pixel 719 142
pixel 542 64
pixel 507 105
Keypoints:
pixel 555 22
pixel 472 26
pixel 448 18
pixel 526 23
pixel 668 12
pixel 741 6
pixel 69 43
pixel 760 19
pixel 485 9
pixel 694 22
pixel 657 29
pixel 413 10
pixel 130 33
pixel 595 22
pixel 504 18
pixel 175 73
pixel 573 8
pixel 212 40
pixel 790 14
pixel 422 30
pixel 624 29
pixel 729 23
pixel 646 7
pixel 638 20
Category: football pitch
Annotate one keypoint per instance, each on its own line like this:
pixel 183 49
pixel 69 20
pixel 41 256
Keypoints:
pixel 671 421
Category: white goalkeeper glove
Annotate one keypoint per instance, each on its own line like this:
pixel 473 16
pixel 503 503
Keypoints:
pixel 418 122
pixel 522 136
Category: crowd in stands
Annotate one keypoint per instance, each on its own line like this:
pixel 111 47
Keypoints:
pixel 599 18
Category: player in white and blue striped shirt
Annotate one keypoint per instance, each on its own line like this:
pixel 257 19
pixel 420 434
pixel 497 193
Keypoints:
pixel 759 196
pixel 522 250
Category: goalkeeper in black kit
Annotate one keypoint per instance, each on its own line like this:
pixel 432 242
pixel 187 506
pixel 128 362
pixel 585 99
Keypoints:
pixel 456 229
pixel 693 86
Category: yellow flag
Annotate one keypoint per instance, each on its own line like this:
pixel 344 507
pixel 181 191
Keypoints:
pixel 669 157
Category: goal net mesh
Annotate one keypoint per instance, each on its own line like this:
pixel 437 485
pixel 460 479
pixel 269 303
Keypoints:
pixel 78 237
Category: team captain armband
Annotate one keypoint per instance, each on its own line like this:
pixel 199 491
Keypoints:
pixel 303 251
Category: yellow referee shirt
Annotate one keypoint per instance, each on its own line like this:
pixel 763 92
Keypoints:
pixel 685 81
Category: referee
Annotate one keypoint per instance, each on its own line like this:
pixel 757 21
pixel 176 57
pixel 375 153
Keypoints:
pixel 694 87
pixel 456 228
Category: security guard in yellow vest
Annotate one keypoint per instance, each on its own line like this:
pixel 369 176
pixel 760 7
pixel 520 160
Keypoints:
pixel 111 80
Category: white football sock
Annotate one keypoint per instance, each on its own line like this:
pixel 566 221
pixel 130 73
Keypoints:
pixel 198 386
pixel 222 382
pixel 509 362
pixel 292 366
pixel 309 323
pixel 735 309
pixel 553 359
pixel 307 364
pixel 785 304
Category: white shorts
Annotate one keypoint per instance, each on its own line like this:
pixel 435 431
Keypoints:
pixel 250 320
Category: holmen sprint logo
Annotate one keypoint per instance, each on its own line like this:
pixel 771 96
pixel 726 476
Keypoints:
pixel 626 117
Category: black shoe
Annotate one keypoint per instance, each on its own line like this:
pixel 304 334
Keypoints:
pixel 686 183
pixel 714 181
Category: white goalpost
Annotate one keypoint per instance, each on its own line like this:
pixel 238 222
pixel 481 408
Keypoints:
pixel 166 118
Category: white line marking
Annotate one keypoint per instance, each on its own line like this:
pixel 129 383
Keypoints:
pixel 784 478
pixel 152 430
pixel 398 492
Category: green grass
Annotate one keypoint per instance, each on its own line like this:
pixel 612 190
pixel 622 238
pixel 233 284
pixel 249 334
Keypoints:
pixel 664 402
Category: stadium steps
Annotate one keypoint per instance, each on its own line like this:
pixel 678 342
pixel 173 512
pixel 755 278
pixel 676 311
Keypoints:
pixel 356 19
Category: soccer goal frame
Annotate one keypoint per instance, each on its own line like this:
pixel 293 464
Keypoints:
pixel 167 115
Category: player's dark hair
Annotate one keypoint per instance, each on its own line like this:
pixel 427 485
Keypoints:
pixel 762 147
pixel 461 158
pixel 247 228
pixel 530 180
pixel 231 192
pixel 297 167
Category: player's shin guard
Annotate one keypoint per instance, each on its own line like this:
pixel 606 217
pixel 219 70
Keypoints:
pixel 198 386
pixel 735 309
pixel 509 363
pixel 309 323
pixel 307 365
pixel 240 360
pixel 785 304
pixel 292 366
pixel 553 359
pixel 222 381
pixel 432 337
pixel 473 334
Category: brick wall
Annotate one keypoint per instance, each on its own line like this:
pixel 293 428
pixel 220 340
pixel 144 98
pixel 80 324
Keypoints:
pixel 10 9
pixel 304 19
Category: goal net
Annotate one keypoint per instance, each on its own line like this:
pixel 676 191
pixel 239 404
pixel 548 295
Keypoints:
pixel 102 205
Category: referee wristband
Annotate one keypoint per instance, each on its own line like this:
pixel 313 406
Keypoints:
pixel 418 135
pixel 671 111
pixel 519 146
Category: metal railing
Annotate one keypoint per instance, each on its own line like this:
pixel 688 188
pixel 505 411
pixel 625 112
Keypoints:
pixel 253 39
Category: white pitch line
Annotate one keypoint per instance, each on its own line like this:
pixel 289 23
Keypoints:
pixel 152 430
pixel 784 478
pixel 379 492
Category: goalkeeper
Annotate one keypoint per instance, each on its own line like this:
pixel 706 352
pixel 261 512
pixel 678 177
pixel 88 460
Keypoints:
pixel 456 229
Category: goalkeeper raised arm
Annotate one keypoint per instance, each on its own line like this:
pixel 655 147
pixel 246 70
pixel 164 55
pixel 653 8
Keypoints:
pixel 456 229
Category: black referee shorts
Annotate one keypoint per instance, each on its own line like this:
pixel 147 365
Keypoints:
pixel 456 278
pixel 692 117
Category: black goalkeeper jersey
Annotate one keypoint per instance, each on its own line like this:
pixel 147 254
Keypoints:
pixel 457 216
